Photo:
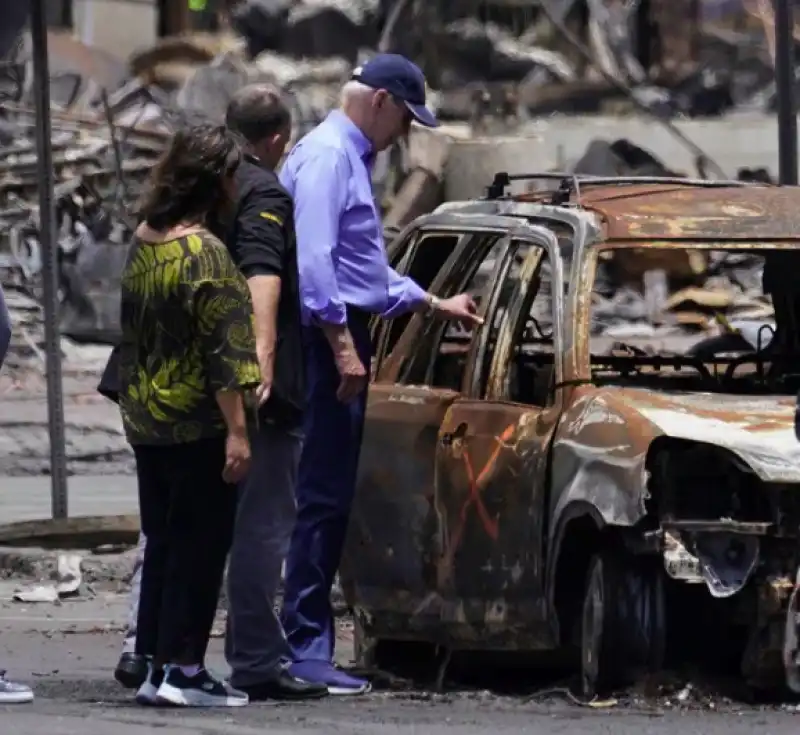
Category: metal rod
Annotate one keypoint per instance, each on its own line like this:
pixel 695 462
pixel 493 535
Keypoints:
pixel 122 189
pixel 47 235
pixel 785 84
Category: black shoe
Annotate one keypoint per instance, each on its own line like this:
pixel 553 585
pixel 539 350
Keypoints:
pixel 131 670
pixel 284 687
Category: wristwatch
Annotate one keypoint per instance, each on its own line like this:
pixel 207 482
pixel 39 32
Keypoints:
pixel 433 302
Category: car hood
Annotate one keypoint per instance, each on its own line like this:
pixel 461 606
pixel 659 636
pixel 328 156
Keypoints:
pixel 760 429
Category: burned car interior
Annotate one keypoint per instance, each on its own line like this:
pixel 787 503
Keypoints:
pixel 676 348
pixel 607 469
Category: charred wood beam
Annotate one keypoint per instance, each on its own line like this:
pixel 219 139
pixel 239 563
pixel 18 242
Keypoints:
pixel 625 89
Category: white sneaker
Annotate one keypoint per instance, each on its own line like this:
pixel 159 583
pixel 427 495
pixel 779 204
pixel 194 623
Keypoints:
pixel 12 693
pixel 200 690
pixel 147 693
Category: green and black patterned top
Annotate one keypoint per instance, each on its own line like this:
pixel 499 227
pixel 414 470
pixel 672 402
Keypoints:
pixel 187 332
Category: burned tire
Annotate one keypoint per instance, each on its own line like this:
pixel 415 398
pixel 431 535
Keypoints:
pixel 364 646
pixel 622 622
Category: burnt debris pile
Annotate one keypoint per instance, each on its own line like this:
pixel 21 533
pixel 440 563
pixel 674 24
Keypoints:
pixel 674 57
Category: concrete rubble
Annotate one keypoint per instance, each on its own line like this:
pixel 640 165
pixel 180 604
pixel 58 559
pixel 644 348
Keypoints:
pixel 66 583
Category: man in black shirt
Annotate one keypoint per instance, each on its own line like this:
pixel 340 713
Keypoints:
pixel 262 242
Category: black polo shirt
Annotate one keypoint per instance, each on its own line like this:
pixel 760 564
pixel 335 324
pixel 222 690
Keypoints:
pixel 261 241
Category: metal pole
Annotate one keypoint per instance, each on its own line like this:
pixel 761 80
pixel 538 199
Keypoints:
pixel 785 84
pixel 47 235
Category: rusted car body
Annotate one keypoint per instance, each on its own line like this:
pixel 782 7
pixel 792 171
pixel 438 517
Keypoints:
pixel 522 489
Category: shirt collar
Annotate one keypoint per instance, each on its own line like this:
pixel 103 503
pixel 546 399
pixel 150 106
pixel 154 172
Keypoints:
pixel 353 135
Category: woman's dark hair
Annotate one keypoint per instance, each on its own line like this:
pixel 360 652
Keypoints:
pixel 187 183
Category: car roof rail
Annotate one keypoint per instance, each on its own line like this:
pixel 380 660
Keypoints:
pixel 571 183
pixel 502 180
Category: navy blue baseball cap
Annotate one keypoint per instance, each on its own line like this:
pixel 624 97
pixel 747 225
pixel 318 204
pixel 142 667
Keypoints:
pixel 402 79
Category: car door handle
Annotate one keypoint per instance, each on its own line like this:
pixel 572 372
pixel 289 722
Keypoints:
pixel 448 438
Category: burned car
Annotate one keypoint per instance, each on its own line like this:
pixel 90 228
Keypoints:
pixel 543 484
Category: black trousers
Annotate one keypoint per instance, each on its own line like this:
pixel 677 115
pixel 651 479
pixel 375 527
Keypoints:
pixel 187 514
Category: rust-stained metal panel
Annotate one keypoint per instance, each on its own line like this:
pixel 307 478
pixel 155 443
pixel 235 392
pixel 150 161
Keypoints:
pixel 600 449
pixel 676 212
pixel 759 429
pixel 387 566
pixel 489 498
pixel 598 458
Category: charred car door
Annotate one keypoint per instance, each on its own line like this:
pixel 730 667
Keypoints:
pixel 388 568
pixel 491 461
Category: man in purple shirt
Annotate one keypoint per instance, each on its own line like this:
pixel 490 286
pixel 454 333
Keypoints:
pixel 345 278
pixel 10 693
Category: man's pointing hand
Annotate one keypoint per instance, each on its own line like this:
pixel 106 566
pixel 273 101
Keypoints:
pixel 461 308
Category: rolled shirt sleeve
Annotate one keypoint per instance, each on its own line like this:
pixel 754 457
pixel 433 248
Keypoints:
pixel 5 328
pixel 318 185
pixel 404 295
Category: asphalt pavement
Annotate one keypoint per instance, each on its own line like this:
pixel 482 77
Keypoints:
pixel 67 652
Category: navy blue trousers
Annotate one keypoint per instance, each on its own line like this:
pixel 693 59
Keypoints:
pixel 325 488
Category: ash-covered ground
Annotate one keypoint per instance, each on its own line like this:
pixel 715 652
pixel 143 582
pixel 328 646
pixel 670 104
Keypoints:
pixel 67 652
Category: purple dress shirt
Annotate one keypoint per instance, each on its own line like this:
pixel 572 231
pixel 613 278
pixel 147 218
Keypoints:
pixel 341 255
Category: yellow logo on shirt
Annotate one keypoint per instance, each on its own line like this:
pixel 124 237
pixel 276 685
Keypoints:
pixel 272 218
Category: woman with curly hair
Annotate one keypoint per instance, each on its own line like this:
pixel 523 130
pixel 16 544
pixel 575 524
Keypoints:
pixel 187 363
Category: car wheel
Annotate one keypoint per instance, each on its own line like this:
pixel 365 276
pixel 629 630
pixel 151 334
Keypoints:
pixel 622 623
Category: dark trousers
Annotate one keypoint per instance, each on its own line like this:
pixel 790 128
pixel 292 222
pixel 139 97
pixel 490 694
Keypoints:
pixel 187 514
pixel 255 644
pixel 325 488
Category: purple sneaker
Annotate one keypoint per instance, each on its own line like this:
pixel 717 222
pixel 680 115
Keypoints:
pixel 322 672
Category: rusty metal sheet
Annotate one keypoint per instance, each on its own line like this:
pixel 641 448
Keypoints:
pixel 685 212
pixel 489 497
pixel 605 434
pixel 598 457
pixel 694 246
pixel 735 213
pixel 760 430
pixel 387 567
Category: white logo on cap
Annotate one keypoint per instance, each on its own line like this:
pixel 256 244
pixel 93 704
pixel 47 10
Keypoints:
pixel 357 71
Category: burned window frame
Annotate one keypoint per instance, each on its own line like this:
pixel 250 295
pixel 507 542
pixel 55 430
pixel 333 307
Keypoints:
pixel 396 252
pixel 412 342
pixel 409 251
pixel 414 358
pixel 454 277
pixel 515 318
pixel 483 350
